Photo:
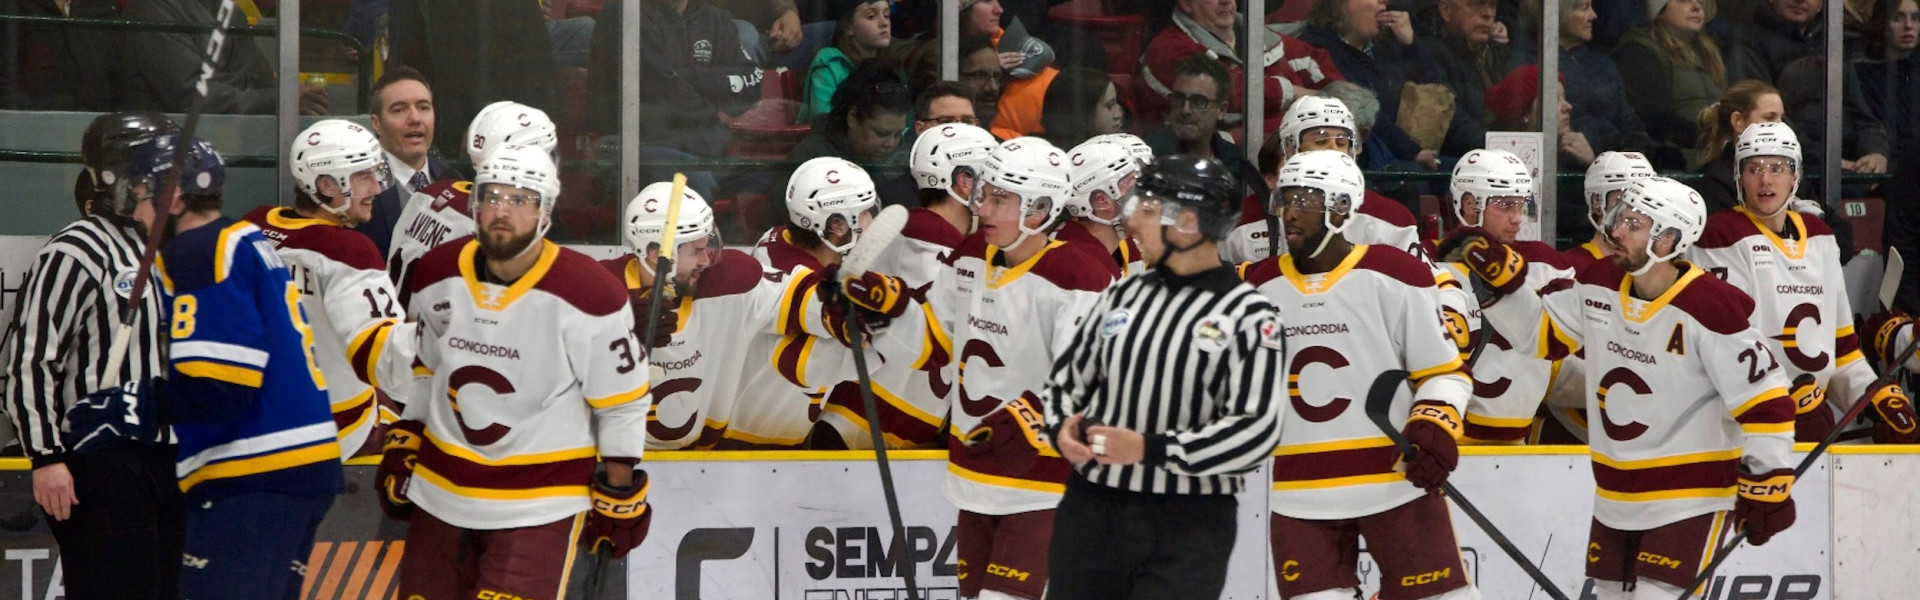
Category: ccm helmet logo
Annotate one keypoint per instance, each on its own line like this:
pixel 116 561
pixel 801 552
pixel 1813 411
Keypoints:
pixel 833 177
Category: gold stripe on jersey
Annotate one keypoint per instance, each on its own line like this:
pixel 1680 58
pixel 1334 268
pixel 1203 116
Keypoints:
pixel 1336 445
pixel 1554 342
pixel 1757 400
pixel 1486 421
pixel 1451 367
pixel 558 491
pixel 377 336
pixel 1003 277
pixel 160 268
pixel 362 399
pixel 1009 482
pixel 801 346
pixel 236 375
pixel 1641 312
pixel 1794 250
pixel 548 252
pixel 229 238
pixel 1676 494
pixel 1667 461
pixel 1320 283
pixel 620 398
pixel 538 458
pixel 937 343
pixel 265 463
pixel 1351 480
pixel 1711 547
pixel 358 399
pixel 742 436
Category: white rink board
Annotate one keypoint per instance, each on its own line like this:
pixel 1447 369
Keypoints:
pixel 1875 535
pixel 800 530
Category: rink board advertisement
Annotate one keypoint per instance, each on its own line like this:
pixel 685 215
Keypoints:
pixel 813 526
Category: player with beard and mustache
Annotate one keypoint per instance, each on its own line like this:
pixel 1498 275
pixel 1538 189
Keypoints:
pixel 528 406
pixel 1692 425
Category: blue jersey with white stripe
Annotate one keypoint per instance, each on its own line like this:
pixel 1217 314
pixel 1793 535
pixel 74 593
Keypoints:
pixel 248 402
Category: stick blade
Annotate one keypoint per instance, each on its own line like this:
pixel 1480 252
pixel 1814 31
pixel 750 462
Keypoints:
pixel 880 234
pixel 1890 283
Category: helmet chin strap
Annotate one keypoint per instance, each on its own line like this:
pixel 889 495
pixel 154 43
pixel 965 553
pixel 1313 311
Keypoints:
pixel 1652 258
pixel 1171 248
pixel 1327 236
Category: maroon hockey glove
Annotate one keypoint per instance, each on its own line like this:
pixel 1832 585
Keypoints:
pixel 396 468
pixel 1881 335
pixel 1434 429
pixel 620 517
pixel 1765 505
pixel 663 327
pixel 1812 418
pixel 877 294
pixel 1896 422
pixel 1498 265
pixel 1452 248
pixel 1014 436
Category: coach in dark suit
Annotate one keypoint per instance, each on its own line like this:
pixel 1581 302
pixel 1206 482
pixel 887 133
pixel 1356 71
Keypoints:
pixel 402 118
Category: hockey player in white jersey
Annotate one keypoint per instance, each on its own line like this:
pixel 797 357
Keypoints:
pixel 1317 123
pixel 1102 172
pixel 438 213
pixel 359 340
pixel 1789 262
pixel 1017 297
pixel 913 400
pixel 1492 193
pixel 526 448
pixel 1352 312
pixel 1692 426
pixel 830 201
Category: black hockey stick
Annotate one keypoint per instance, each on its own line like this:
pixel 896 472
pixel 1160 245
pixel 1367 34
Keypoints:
pixel 879 234
pixel 163 199
pixel 1379 400
pixel 1859 407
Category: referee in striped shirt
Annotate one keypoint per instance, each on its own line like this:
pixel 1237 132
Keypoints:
pixel 1164 400
pixel 115 510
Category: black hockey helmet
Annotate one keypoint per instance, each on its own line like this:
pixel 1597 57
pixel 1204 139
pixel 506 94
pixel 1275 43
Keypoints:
pixel 1204 185
pixel 107 150
pixel 202 172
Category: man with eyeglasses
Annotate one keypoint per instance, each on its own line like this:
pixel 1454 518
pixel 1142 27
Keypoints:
pixel 1692 427
pixel 1210 29
pixel 981 76
pixel 1353 311
pixel 942 103
pixel 1789 262
pixel 1199 96
pixel 1492 198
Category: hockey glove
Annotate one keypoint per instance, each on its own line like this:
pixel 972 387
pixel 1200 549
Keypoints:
pixel 1434 428
pixel 1453 248
pixel 877 294
pixel 620 517
pixel 130 412
pixel 396 468
pixel 1765 505
pixel 1896 424
pixel 663 327
pixel 1495 263
pixel 1014 436
pixel 1812 418
pixel 1883 329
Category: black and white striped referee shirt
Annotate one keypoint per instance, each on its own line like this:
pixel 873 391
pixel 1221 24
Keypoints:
pixel 1193 363
pixel 57 348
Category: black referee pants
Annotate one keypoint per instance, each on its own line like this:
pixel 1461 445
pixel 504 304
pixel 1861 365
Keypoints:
pixel 123 540
pixel 1111 544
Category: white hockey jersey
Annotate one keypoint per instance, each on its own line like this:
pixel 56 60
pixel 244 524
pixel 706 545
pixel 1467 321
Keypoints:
pixel 1800 297
pixel 1381 221
pixel 358 338
pixel 1683 388
pixel 1376 311
pixel 529 383
pixel 433 215
pixel 1011 321
pixel 911 401
pixel 1508 386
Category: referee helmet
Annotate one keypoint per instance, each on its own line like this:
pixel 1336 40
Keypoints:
pixel 107 149
pixel 1203 185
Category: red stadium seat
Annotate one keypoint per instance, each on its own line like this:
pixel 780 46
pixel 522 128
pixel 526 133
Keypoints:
pixel 1867 215
pixel 767 131
pixel 1290 11
pixel 1119 33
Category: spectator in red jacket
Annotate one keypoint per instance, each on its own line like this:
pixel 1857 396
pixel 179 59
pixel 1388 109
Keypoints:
pixel 1211 27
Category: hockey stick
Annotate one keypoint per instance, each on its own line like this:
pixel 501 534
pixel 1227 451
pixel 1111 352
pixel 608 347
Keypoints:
pixel 879 234
pixel 1859 406
pixel 1379 399
pixel 163 198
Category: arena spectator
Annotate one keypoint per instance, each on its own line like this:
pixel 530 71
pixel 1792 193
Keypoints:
pixel 1080 104
pixel 1594 87
pixel 1027 71
pixel 938 104
pixel 478 53
pixel 1470 61
pixel 870 112
pixel 1365 106
pixel 165 67
pixel 1199 95
pixel 692 67
pixel 1745 103
pixel 1212 28
pixel 774 33
pixel 1785 30
pixel 1864 146
pixel 403 118
pixel 1374 47
pixel 862 31
pixel 981 76
pixel 1515 105
pixel 1678 72
pixel 1889 77
pixel 51 67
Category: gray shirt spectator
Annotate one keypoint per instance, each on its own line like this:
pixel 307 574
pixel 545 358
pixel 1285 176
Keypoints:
pixel 1470 61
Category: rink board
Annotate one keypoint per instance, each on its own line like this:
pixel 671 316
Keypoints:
pixel 812 526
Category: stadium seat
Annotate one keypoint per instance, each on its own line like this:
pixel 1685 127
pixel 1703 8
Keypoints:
pixel 1119 33
pixel 1290 11
pixel 1868 216
pixel 768 131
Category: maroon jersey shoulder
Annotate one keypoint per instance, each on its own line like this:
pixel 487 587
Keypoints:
pixel 289 230
pixel 1077 238
pixel 440 263
pixel 450 193
pixel 1541 252
pixel 1397 265
pixel 1075 268
pixel 1602 273
pixel 1386 209
pixel 1725 228
pixel 1578 257
pixel 581 281
pixel 974 245
pixel 786 257
pixel 1816 226
pixel 1254 210
pixel 1260 272
pixel 927 226
pixel 617 266
pixel 735 273
pixel 1716 304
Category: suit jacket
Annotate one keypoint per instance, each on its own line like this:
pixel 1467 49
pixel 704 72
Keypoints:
pixel 387 205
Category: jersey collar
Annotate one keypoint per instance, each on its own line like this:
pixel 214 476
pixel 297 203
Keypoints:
pixel 1795 249
pixel 1001 279
pixel 1641 312
pixel 489 296
pixel 286 218
pixel 1317 283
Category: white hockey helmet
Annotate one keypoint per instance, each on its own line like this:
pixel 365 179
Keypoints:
pixel 1610 172
pixel 1488 174
pixel 944 150
pixel 508 123
pixel 1312 112
pixel 1135 146
pixel 828 187
pixel 524 167
pixel 1673 206
pixel 1338 179
pixel 1034 170
pixel 1099 166
pixel 338 149
pixel 647 219
pixel 1769 139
